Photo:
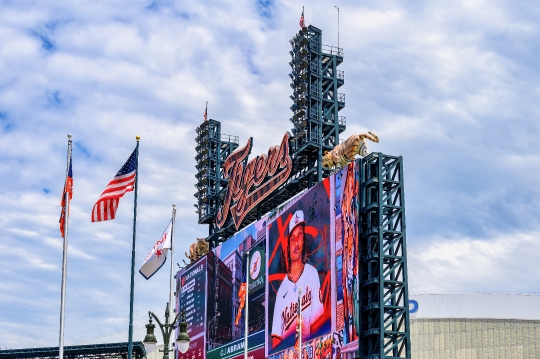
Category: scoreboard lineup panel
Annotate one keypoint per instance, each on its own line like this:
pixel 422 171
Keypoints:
pixel 328 213
pixel 193 299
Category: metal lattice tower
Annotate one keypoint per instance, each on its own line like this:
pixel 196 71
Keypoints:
pixel 317 103
pixel 213 148
pixel 317 126
pixel 384 297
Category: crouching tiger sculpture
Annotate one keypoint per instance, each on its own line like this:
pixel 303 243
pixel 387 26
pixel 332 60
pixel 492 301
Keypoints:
pixel 345 152
pixel 198 249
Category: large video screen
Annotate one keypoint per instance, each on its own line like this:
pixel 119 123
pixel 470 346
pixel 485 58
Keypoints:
pixel 303 255
pixel 346 239
pixel 232 254
pixel 300 269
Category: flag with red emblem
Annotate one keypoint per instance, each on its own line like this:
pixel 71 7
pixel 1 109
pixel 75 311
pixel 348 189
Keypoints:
pixel 68 189
pixel 157 256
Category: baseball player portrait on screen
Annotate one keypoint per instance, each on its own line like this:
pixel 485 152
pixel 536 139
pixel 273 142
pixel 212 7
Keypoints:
pixel 302 262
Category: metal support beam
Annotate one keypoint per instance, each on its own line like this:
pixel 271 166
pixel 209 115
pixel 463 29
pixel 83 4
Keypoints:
pixel 384 310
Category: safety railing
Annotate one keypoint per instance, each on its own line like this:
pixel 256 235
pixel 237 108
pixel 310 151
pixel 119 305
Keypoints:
pixel 332 50
pixel 229 138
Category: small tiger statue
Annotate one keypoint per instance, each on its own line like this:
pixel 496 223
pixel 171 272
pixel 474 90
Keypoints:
pixel 345 152
pixel 198 249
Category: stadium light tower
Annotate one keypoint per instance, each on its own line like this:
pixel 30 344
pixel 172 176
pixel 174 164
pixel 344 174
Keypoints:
pixel 182 342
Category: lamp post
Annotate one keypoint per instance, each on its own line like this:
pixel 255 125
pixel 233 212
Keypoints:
pixel 182 342
pixel 215 317
pixel 210 343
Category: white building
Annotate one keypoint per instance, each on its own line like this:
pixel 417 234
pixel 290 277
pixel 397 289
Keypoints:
pixel 471 326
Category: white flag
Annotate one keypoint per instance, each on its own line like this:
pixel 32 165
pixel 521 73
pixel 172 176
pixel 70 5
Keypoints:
pixel 157 256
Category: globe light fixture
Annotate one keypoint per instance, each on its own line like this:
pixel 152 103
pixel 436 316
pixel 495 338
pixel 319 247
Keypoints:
pixel 182 341
pixel 150 340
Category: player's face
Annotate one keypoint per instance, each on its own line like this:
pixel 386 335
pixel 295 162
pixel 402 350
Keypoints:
pixel 297 243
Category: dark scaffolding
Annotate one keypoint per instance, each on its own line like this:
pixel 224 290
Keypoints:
pixel 94 351
pixel 315 81
pixel 384 296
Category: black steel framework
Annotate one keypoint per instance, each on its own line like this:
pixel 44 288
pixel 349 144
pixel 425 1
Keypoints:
pixel 212 148
pixel 384 297
pixel 316 120
pixel 317 126
pixel 96 351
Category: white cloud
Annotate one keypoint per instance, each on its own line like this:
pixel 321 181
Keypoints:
pixel 451 86
pixel 464 265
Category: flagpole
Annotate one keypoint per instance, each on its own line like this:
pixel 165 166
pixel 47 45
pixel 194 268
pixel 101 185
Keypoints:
pixel 172 263
pixel 130 339
pixel 300 322
pixel 246 328
pixel 337 7
pixel 64 258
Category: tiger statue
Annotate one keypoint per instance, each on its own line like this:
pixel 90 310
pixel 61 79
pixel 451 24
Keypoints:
pixel 345 152
pixel 198 249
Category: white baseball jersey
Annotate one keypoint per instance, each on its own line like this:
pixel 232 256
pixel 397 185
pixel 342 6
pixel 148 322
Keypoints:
pixel 286 305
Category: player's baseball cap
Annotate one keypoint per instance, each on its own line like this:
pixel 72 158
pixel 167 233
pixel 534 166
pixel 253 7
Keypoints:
pixel 297 218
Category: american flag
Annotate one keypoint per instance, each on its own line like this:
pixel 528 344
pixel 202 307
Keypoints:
pixel 122 182
pixel 302 23
pixel 68 188
pixel 206 112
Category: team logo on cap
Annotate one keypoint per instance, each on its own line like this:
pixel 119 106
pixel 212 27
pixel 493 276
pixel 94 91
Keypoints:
pixel 298 218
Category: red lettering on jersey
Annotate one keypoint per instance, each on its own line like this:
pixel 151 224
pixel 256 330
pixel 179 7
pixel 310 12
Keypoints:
pixel 288 316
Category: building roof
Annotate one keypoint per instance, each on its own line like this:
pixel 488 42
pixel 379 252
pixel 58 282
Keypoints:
pixel 95 351
pixel 487 306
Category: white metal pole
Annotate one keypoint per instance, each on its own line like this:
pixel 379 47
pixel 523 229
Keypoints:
pixel 64 258
pixel 337 7
pixel 246 328
pixel 173 305
pixel 300 323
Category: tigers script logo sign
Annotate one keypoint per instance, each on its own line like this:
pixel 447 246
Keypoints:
pixel 250 183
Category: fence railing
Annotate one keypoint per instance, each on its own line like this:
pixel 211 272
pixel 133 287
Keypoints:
pixel 230 138
pixel 332 50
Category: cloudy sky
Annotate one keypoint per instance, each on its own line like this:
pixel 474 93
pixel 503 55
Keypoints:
pixel 450 85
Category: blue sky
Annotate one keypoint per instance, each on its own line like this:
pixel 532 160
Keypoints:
pixel 450 85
